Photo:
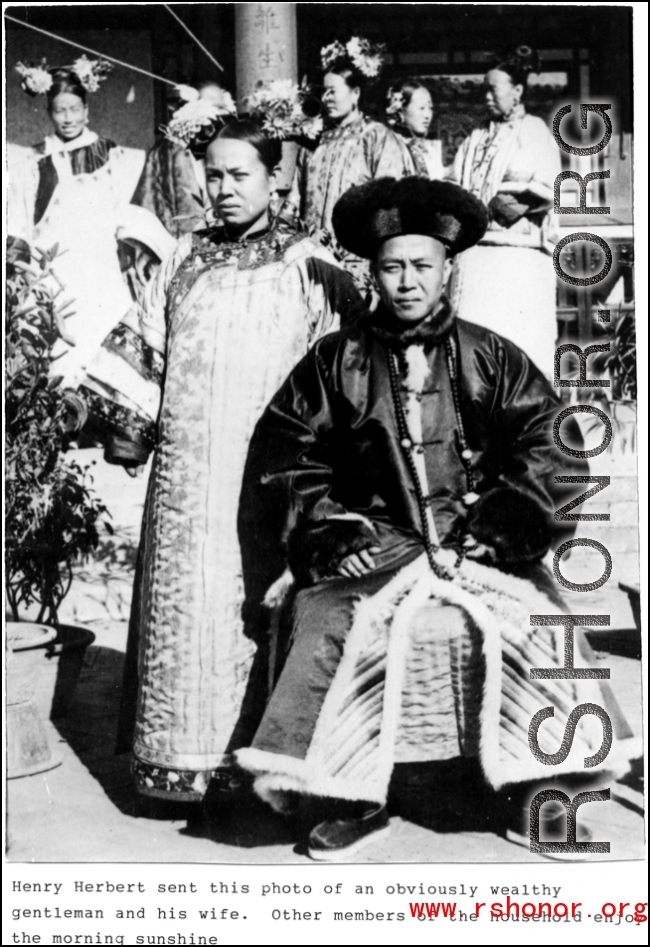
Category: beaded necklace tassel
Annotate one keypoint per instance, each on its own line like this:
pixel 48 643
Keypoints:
pixel 466 452
pixel 410 448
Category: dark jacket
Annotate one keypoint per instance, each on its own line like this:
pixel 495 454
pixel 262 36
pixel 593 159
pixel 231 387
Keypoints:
pixel 328 444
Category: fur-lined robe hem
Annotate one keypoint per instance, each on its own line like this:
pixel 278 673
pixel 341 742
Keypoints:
pixel 278 775
pixel 351 752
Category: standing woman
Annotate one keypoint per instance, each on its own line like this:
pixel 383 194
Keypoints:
pixel 352 149
pixel 507 282
pixel 69 192
pixel 410 113
pixel 187 374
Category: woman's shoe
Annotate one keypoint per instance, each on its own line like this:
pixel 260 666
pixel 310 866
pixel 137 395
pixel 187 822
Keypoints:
pixel 339 838
pixel 229 787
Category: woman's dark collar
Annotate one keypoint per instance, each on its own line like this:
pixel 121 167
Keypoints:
pixel 284 223
pixel 218 234
pixel 249 253
pixel 430 332
pixel 253 237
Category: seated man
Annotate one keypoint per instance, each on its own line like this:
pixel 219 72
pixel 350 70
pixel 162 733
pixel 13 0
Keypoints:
pixel 405 472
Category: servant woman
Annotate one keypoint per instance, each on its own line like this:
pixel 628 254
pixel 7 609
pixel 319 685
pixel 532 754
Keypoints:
pixel 409 113
pixel 507 282
pixel 186 375
pixel 69 192
pixel 172 184
pixel 352 149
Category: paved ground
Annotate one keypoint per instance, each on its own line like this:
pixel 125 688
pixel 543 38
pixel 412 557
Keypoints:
pixel 84 810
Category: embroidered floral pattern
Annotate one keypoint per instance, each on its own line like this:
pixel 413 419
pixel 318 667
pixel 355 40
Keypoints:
pixel 152 780
pixel 211 248
pixel 418 153
pixel 112 418
pixel 186 784
pixel 130 346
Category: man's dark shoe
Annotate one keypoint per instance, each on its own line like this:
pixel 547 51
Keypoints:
pixel 340 838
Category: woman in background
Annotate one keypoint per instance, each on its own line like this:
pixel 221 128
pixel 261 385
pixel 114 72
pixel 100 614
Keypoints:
pixel 410 113
pixel 172 184
pixel 507 283
pixel 69 193
pixel 352 149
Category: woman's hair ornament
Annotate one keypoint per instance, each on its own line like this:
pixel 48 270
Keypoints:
pixel 364 56
pixel 38 78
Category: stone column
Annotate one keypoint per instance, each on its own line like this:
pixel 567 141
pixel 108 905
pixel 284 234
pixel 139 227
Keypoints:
pixel 266 48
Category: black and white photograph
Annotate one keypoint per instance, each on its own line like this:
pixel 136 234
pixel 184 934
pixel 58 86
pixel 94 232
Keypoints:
pixel 321 467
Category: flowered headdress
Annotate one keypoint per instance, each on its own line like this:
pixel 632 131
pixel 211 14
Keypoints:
pixel 396 104
pixel 364 56
pixel 38 77
pixel 197 118
pixel 280 108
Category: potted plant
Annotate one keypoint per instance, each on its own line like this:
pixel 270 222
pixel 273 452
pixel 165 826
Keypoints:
pixel 51 512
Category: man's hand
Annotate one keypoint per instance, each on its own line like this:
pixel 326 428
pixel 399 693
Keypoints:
pixel 135 472
pixel 75 414
pixel 358 564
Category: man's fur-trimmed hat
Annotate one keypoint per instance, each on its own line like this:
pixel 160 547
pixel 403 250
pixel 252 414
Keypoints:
pixel 368 214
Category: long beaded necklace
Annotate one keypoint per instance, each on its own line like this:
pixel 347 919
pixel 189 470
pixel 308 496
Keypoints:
pixel 410 447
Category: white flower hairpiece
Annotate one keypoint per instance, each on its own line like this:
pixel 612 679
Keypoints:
pixel 395 105
pixel 187 93
pixel 37 79
pixel 91 72
pixel 311 127
pixel 277 105
pixel 329 54
pixel 225 105
pixel 365 57
pixel 189 119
